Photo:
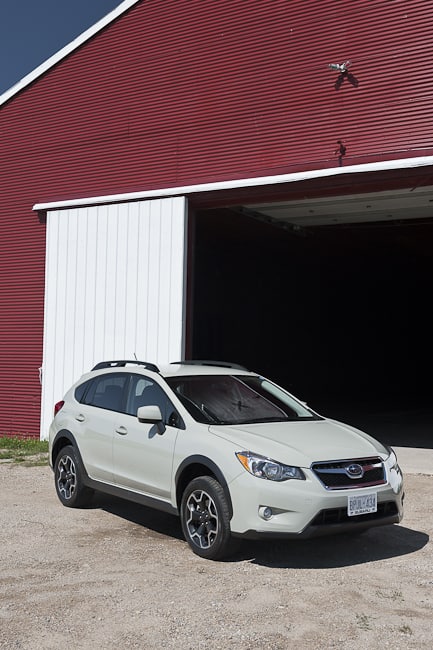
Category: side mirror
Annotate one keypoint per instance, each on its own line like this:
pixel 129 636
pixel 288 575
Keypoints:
pixel 151 415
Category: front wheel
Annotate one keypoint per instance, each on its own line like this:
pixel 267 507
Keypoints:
pixel 205 518
pixel 68 477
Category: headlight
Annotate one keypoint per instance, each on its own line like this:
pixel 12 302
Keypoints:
pixel 268 469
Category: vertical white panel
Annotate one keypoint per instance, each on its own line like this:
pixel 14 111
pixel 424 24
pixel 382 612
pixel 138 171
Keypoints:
pixel 115 288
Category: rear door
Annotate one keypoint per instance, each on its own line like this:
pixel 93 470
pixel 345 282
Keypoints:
pixel 97 416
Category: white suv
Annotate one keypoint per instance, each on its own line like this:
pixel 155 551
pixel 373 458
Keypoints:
pixel 229 451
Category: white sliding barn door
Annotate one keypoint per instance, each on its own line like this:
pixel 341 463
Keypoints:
pixel 114 289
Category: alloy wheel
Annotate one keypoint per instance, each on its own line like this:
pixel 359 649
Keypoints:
pixel 202 520
pixel 66 477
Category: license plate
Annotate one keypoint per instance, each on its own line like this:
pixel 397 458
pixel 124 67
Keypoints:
pixel 361 505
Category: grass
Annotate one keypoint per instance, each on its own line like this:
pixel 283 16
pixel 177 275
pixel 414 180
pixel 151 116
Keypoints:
pixel 29 451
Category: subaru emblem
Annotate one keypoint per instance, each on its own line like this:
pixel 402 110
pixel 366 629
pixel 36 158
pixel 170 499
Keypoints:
pixel 354 470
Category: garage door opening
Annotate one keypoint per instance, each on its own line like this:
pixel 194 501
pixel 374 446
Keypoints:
pixel 339 315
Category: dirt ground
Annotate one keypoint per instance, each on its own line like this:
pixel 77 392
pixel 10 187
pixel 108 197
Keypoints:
pixel 120 576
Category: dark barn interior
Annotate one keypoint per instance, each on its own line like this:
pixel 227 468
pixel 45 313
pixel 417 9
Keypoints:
pixel 339 315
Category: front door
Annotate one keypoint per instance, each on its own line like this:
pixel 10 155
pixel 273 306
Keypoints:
pixel 142 457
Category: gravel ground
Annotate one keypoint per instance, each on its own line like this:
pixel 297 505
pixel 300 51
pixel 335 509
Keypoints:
pixel 119 576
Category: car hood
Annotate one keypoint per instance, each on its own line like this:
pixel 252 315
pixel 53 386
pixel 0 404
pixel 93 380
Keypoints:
pixel 302 443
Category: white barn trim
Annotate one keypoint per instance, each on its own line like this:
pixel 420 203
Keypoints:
pixel 364 168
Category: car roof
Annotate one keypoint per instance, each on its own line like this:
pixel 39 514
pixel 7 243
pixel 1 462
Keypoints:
pixel 181 368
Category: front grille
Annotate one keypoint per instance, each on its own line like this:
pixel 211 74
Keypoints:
pixel 350 474
pixel 340 516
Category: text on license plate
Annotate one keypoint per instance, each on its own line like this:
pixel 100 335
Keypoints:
pixel 361 505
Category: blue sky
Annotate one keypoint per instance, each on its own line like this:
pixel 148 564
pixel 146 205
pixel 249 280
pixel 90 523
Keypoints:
pixel 32 30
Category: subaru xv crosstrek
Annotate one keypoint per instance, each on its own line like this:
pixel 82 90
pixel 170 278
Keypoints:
pixel 229 451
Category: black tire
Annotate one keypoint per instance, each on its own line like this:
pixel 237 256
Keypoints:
pixel 68 479
pixel 205 518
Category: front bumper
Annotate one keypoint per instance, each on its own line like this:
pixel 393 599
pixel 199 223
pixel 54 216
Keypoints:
pixel 303 509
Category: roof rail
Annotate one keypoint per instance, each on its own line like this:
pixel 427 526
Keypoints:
pixel 218 364
pixel 121 363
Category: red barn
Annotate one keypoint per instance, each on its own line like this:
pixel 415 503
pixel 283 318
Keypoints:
pixel 243 181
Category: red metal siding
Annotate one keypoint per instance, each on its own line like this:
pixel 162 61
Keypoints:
pixel 193 91
pixel 22 246
pixel 179 92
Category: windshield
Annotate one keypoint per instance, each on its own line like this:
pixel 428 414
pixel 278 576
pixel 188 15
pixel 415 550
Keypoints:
pixel 228 399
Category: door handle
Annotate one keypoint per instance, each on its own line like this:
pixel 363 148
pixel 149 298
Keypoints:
pixel 80 417
pixel 122 431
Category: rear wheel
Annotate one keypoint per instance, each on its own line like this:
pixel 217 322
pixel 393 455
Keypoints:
pixel 205 518
pixel 68 477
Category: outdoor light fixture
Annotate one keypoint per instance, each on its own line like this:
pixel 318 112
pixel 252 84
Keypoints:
pixel 340 67
pixel 343 74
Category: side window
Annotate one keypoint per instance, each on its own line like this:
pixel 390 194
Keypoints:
pixel 145 392
pixel 81 390
pixel 106 392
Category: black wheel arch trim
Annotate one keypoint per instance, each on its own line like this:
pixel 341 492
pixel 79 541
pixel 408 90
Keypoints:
pixel 198 459
pixel 64 433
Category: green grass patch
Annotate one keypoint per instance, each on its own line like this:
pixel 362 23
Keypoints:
pixel 30 451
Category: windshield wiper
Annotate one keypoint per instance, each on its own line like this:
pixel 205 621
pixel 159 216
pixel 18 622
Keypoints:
pixel 267 419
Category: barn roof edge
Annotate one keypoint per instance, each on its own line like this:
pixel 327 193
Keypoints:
pixel 65 51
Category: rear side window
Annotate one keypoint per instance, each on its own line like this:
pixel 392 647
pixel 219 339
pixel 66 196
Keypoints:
pixel 106 391
pixel 81 390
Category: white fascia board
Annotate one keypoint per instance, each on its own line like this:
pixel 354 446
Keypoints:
pixel 386 165
pixel 61 54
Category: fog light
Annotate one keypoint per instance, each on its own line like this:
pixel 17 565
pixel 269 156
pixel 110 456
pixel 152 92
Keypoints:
pixel 266 512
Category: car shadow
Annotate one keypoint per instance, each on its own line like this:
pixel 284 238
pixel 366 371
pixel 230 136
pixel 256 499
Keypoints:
pixel 335 551
pixel 151 519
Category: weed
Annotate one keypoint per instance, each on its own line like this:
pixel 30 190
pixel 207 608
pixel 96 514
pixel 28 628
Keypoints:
pixel 392 595
pixel 363 622
pixel 405 629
